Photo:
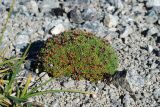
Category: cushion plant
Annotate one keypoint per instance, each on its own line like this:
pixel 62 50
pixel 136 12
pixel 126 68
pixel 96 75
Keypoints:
pixel 78 54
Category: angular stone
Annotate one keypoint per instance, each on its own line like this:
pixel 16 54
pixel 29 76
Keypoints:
pixel 117 3
pixel 22 39
pixel 128 30
pixel 111 20
pixel 32 6
pixel 150 48
pixel 135 81
pixel 46 5
pixel 151 3
pixel 57 29
pixel 75 16
pixel 89 13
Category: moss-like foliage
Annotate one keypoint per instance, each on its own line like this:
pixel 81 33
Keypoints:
pixel 78 54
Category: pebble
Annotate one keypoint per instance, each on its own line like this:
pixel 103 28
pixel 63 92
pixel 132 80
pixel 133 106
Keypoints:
pixel 95 27
pixel 57 29
pixel 150 48
pixel 128 30
pixel 152 17
pixel 47 5
pixel 32 6
pixel 22 39
pixel 110 20
pixel 44 76
pixel 152 31
pixel 157 94
pixel 75 16
pixel 128 101
pixel 89 13
pixel 135 81
pixel 117 3
pixel 155 70
pixel 69 84
pixel 151 3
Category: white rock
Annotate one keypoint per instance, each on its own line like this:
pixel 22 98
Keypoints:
pixel 44 76
pixel 157 93
pixel 135 81
pixel 21 40
pixel 32 6
pixel 94 96
pixel 57 29
pixel 41 32
pixel 69 84
pixel 46 5
pixel 117 3
pixel 155 70
pixel 150 48
pixel 110 20
pixel 159 21
pixel 154 65
pixel 127 31
pixel 128 101
pixel 153 30
pixel 151 3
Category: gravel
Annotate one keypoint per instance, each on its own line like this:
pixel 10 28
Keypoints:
pixel 131 26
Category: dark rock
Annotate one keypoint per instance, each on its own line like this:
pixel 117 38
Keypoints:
pixel 156 52
pixel 75 16
pixel 158 40
pixel 119 79
pixel 57 12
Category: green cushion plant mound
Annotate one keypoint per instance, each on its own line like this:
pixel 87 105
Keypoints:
pixel 78 54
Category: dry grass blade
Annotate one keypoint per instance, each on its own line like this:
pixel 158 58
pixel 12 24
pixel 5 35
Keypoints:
pixel 26 86
pixel 4 101
pixel 56 91
pixel 4 70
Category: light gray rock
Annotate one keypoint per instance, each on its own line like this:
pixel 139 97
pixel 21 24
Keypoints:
pixel 152 17
pixel 83 3
pixel 32 6
pixel 76 16
pixel 128 101
pixel 23 10
pixel 22 39
pixel 155 71
pixel 150 48
pixel 117 3
pixel 110 20
pixel 128 30
pixel 57 29
pixel 119 80
pixel 47 5
pixel 135 81
pixel 44 76
pixel 81 84
pixel 95 27
pixel 89 13
pixel 157 94
pixel 154 65
pixel 40 32
pixel 151 3
pixel 153 30
pixel 69 84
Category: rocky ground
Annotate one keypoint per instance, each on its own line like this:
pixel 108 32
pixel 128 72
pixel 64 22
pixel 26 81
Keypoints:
pixel 131 26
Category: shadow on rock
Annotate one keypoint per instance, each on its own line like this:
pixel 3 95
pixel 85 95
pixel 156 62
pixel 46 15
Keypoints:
pixel 32 57
pixel 119 79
